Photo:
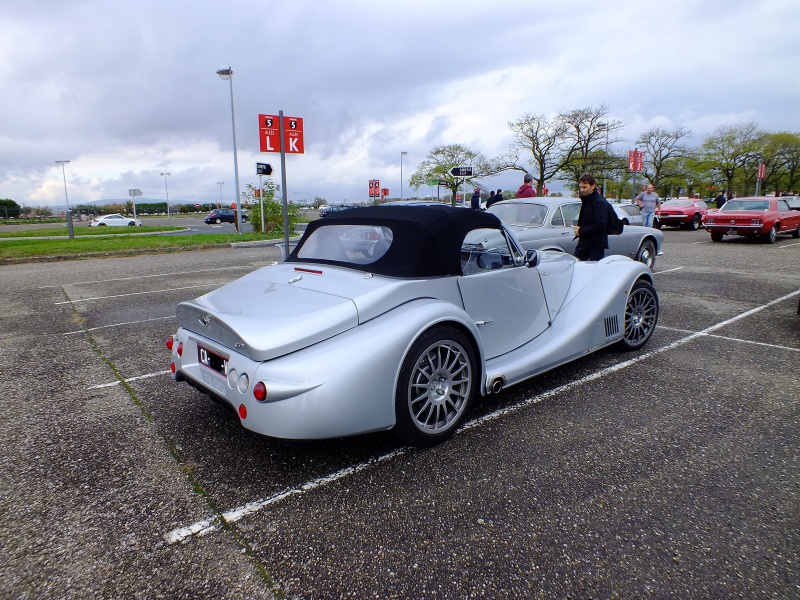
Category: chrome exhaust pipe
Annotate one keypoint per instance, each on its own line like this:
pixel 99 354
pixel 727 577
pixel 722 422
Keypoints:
pixel 497 385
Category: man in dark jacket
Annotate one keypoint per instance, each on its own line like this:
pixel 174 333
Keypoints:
pixel 526 189
pixel 591 230
pixel 496 197
pixel 475 201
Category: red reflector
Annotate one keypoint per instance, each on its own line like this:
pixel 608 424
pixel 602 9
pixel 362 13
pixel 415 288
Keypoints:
pixel 172 368
pixel 242 411
pixel 180 349
pixel 170 341
pixel 312 271
pixel 260 391
pixel 373 236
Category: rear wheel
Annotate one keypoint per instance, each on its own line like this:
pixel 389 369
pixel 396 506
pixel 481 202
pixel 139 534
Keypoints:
pixel 641 315
pixel 796 232
pixel 770 236
pixel 694 224
pixel 438 381
pixel 716 237
pixel 101 224
pixel 647 254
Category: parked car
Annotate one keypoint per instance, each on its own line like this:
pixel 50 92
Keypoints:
pixel 324 211
pixel 450 308
pixel 686 212
pixel 223 215
pixel 792 201
pixel 629 213
pixel 115 220
pixel 546 224
pixel 755 216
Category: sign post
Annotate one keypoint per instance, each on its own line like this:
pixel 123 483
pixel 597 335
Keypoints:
pixel 133 193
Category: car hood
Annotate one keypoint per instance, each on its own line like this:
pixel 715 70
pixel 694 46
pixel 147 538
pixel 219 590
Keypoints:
pixel 288 306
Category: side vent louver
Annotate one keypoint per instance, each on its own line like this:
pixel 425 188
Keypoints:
pixel 612 326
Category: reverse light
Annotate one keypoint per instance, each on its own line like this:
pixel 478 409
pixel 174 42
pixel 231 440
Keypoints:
pixel 260 391
pixel 170 342
pixel 243 383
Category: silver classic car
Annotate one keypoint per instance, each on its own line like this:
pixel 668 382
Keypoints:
pixel 546 224
pixel 406 333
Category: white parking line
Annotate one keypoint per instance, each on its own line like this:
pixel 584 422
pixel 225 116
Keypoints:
pixel 189 287
pixel 732 339
pixel 212 524
pixel 129 379
pixel 792 245
pixel 119 325
pixel 668 271
pixel 231 268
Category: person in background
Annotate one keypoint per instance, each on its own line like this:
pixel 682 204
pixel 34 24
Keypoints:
pixel 475 201
pixel 720 200
pixel 649 204
pixel 592 227
pixel 526 190
pixel 496 197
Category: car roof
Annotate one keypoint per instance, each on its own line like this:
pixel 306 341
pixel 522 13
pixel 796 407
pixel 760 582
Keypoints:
pixel 426 240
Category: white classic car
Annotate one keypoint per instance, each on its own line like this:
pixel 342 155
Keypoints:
pixel 405 333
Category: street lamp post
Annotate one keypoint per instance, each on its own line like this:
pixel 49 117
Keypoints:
pixel 219 183
pixel 402 154
pixel 226 73
pixel 166 190
pixel 70 229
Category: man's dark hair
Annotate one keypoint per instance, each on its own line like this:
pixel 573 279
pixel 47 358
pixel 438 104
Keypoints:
pixel 588 178
pixel 528 178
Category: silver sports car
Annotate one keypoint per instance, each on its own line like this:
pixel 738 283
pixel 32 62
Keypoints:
pixel 546 224
pixel 405 334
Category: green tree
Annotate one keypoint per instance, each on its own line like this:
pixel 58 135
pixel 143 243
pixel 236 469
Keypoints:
pixel 273 209
pixel 442 159
pixel 9 209
pixel 584 147
pixel 730 149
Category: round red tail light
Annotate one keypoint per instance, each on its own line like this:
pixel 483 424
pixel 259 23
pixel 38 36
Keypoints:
pixel 170 341
pixel 260 391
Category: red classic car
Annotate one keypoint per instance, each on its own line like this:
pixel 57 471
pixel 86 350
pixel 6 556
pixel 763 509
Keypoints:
pixel 762 216
pixel 682 211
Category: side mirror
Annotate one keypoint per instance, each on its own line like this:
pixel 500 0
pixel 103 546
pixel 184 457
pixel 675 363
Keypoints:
pixel 531 258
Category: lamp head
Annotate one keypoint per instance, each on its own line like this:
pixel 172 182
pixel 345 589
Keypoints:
pixel 225 73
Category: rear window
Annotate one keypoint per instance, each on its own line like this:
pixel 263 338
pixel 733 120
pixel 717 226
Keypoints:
pixel 734 205
pixel 356 244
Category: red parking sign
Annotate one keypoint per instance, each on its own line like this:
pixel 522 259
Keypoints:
pixel 269 134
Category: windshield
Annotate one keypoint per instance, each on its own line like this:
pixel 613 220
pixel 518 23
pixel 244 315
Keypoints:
pixel 734 205
pixel 519 213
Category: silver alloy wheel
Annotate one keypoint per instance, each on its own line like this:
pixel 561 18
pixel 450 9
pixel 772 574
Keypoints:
pixel 647 254
pixel 439 387
pixel 641 315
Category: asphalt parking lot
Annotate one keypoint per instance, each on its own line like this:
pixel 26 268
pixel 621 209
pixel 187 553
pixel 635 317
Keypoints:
pixel 670 472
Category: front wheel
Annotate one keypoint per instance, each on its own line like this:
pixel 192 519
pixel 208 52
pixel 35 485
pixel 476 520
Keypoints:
pixel 217 220
pixel 641 315
pixel 131 224
pixel 770 236
pixel 438 381
pixel 647 254
pixel 796 232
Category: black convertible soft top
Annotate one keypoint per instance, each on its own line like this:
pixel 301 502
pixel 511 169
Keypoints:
pixel 426 238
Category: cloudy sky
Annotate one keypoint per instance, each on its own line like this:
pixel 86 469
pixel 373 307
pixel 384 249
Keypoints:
pixel 128 90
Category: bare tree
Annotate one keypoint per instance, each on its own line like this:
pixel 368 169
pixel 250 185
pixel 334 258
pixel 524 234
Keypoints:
pixel 586 142
pixel 664 156
pixel 442 159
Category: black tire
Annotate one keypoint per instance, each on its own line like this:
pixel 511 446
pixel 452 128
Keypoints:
pixel 769 238
pixel 641 315
pixel 694 224
pixel 647 254
pixel 796 232
pixel 132 224
pixel 217 220
pixel 657 223
pixel 716 237
pixel 101 224
pixel 437 385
